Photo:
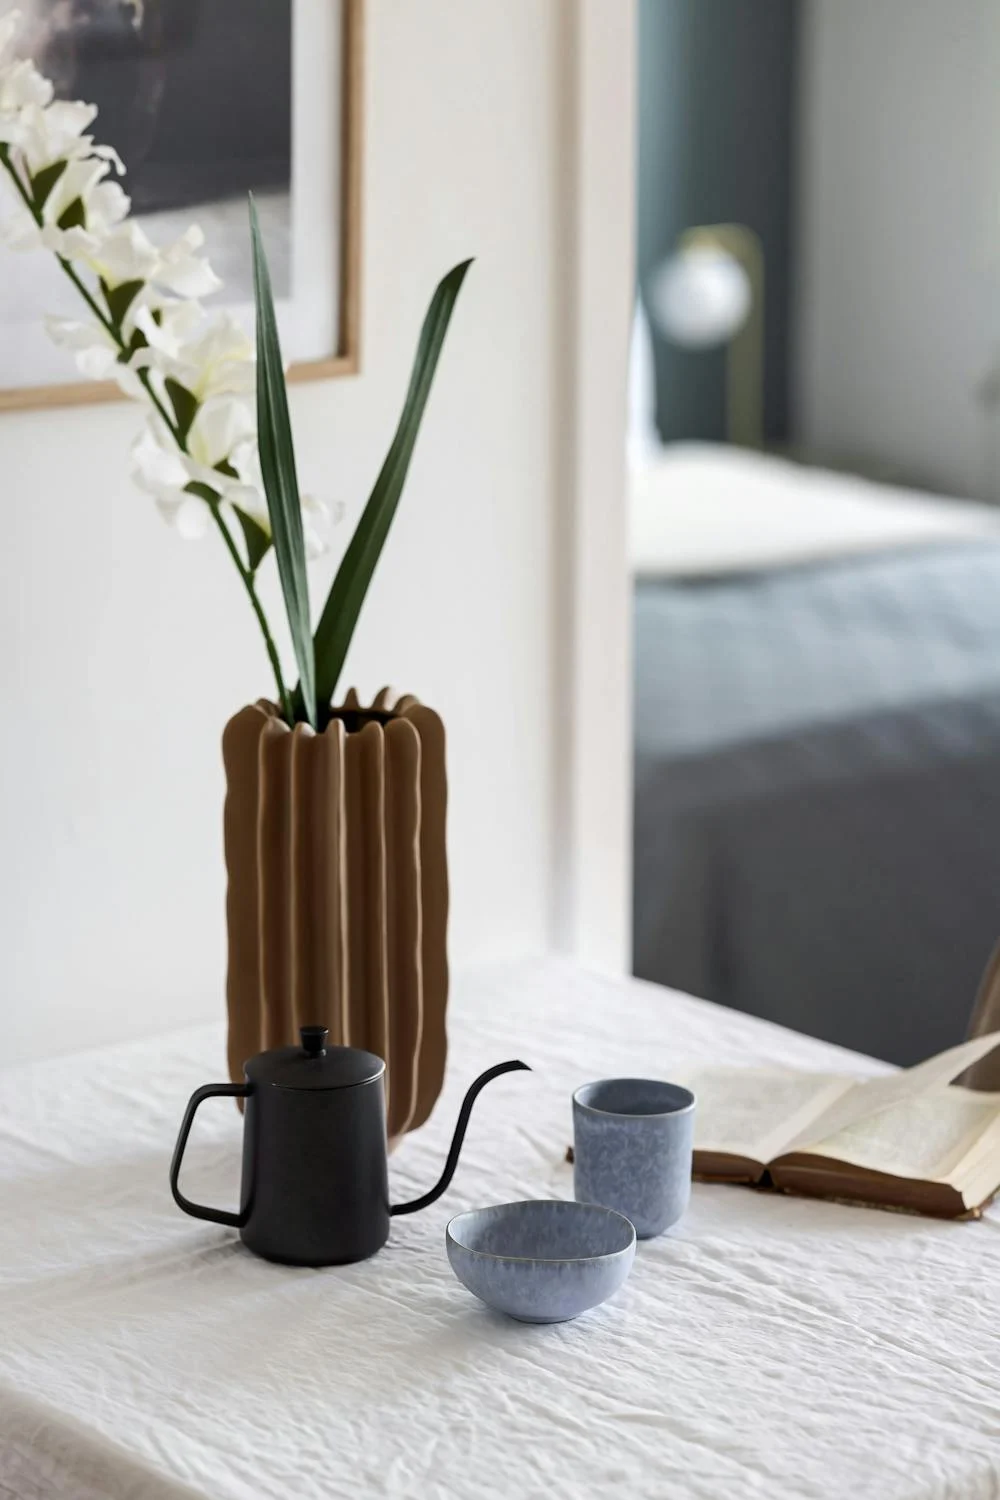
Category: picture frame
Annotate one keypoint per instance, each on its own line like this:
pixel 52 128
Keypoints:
pixel 346 160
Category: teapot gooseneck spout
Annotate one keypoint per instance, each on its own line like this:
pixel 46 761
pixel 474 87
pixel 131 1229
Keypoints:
pixel 456 1141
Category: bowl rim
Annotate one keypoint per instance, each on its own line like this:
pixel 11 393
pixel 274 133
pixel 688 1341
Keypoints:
pixel 650 1114
pixel 543 1260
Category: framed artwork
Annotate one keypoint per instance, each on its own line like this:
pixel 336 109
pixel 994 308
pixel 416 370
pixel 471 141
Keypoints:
pixel 205 100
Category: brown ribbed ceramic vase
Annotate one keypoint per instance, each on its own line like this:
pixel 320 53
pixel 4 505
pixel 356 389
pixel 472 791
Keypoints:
pixel 337 904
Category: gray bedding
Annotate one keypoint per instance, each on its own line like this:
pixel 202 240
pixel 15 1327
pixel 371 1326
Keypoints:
pixel 817 793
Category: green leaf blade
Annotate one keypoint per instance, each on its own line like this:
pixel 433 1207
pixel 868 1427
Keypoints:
pixel 120 298
pixel 258 543
pixel 350 586
pixel 44 181
pixel 73 216
pixel 277 462
pixel 184 404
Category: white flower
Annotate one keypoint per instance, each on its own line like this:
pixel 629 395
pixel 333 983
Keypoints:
pixel 126 254
pixel 93 347
pixel 122 251
pixel 95 352
pixel 50 130
pixel 88 340
pixel 316 520
pixel 56 133
pixel 249 497
pixel 248 494
pixel 21 86
pixel 159 470
pixel 208 356
pixel 82 190
pixel 184 272
pixel 106 153
pixel 221 360
pixel 221 428
pixel 167 326
pixel 223 432
pixel 218 435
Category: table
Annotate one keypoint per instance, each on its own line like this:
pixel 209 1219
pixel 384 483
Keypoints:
pixel 769 1346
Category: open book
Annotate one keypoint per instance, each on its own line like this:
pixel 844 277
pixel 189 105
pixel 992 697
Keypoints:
pixel 910 1140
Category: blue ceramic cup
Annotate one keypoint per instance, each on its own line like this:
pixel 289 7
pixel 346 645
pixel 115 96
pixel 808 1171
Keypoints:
pixel 632 1144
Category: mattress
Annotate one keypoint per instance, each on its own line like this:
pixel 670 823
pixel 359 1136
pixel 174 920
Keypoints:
pixel 817 831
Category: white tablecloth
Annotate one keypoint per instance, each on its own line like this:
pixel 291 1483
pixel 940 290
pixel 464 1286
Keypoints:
pixel 769 1346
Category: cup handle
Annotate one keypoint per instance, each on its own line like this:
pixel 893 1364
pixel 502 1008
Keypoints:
pixel 201 1210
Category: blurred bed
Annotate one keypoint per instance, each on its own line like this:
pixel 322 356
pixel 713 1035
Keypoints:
pixel 817 749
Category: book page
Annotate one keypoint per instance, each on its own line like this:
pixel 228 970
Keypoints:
pixel 870 1097
pixel 927 1137
pixel 755 1112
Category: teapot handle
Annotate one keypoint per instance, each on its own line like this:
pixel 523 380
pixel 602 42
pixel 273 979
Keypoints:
pixel 200 1210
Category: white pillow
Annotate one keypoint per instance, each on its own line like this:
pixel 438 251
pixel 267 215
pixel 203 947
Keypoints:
pixel 698 510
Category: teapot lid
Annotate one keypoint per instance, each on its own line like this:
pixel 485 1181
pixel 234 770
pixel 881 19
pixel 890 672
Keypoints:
pixel 314 1065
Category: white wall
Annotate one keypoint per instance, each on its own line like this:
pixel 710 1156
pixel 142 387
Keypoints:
pixel 592 882
pixel 899 186
pixel 124 650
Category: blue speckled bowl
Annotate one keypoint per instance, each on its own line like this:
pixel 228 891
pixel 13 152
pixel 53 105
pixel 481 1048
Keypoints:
pixel 542 1261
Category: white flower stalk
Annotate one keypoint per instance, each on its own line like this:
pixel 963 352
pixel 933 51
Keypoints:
pixel 144 326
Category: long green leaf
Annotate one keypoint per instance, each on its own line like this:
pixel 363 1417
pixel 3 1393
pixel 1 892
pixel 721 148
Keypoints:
pixel 258 542
pixel 277 463
pixel 44 181
pixel 347 594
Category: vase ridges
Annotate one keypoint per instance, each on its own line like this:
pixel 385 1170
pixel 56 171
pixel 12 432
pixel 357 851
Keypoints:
pixel 366 935
pixel 434 907
pixel 244 1002
pixel 332 814
pixel 310 976
pixel 403 917
pixel 337 889
pixel 275 876
pixel 355 1031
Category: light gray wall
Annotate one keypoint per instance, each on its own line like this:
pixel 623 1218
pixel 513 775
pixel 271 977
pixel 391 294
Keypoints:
pixel 898 233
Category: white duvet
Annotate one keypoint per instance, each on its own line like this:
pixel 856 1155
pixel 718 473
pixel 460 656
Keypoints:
pixel 702 510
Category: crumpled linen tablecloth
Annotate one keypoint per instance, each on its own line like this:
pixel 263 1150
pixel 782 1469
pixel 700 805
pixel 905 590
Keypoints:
pixel 769 1346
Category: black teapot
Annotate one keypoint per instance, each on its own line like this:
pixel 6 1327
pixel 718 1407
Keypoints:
pixel 315 1189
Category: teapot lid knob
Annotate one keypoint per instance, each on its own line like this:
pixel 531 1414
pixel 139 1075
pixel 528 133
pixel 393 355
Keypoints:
pixel 314 1064
pixel 314 1040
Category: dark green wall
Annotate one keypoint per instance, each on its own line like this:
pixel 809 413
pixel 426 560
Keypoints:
pixel 716 87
